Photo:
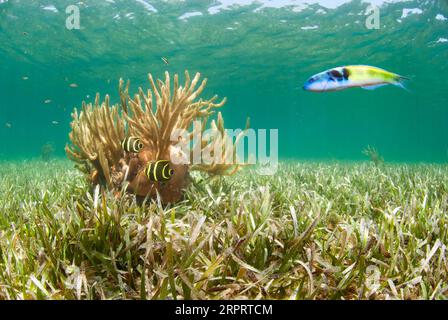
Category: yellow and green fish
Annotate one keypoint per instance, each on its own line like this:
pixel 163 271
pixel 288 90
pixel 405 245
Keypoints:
pixel 340 78
pixel 132 144
pixel 159 170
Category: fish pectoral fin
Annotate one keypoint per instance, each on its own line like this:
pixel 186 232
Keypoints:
pixel 373 87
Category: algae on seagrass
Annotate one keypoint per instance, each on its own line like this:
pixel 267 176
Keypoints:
pixel 98 129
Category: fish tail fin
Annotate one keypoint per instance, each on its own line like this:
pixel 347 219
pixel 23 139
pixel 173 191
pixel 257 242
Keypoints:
pixel 401 85
pixel 399 82
pixel 403 77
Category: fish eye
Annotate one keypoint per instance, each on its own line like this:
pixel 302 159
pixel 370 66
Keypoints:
pixel 171 172
pixel 311 80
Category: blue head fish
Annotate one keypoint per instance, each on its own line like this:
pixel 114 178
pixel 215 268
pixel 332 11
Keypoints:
pixel 340 78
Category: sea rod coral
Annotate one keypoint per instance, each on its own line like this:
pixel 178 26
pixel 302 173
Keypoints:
pixel 99 128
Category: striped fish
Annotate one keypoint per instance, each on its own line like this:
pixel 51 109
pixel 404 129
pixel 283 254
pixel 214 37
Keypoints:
pixel 159 170
pixel 341 78
pixel 132 144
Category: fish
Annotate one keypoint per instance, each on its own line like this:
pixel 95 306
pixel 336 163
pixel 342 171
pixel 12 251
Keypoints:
pixel 55 122
pixel 8 125
pixel 159 170
pixel 25 78
pixel 132 144
pixel 73 85
pixel 361 76
pixel 47 101
pixel 165 60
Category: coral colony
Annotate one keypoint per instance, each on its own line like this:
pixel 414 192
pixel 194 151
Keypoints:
pixel 104 139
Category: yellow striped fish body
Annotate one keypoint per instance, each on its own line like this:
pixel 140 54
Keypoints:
pixel 340 78
pixel 159 170
pixel 132 144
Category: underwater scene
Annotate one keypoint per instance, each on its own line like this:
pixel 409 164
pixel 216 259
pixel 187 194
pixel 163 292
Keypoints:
pixel 224 149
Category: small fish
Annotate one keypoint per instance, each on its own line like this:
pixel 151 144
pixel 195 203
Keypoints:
pixel 25 78
pixel 54 122
pixel 165 60
pixel 341 78
pixel 25 33
pixel 8 125
pixel 159 170
pixel 88 96
pixel 132 144
pixel 73 85
pixel 47 101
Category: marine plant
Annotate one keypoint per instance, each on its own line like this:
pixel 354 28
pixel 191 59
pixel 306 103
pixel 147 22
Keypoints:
pixel 152 116
pixel 47 151
pixel 313 231
pixel 374 155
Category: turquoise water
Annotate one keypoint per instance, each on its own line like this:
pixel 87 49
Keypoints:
pixel 257 54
